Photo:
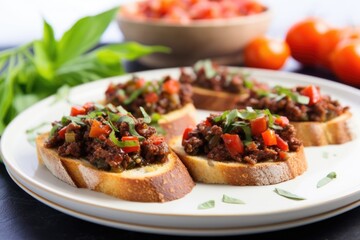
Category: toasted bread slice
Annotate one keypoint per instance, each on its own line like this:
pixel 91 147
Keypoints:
pixel 176 121
pixel 215 100
pixel 335 131
pixel 233 173
pixel 153 183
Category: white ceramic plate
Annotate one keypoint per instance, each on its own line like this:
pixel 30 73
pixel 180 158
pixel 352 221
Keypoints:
pixel 181 231
pixel 263 206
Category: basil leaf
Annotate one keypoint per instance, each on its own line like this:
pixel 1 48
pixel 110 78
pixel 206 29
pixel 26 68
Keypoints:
pixel 287 194
pixel 130 121
pixel 147 118
pixel 122 144
pixel 207 205
pixel 227 199
pixel 76 120
pixel 49 41
pixel 133 50
pixel 155 117
pixel 230 118
pixel 133 96
pixel 302 99
pixel 83 35
pixel 326 179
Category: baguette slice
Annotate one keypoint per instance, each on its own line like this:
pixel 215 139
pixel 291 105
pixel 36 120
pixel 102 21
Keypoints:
pixel 335 131
pixel 215 100
pixel 153 183
pixel 266 173
pixel 176 121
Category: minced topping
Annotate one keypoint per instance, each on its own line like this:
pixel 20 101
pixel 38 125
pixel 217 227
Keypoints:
pixel 208 74
pixel 246 136
pixel 303 103
pixel 109 138
pixel 156 97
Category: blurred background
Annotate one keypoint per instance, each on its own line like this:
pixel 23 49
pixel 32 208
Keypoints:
pixel 21 20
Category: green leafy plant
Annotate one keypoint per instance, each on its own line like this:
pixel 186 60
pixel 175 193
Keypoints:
pixel 40 68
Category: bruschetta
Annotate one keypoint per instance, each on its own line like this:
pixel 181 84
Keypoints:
pixel 106 149
pixel 318 119
pixel 167 101
pixel 241 147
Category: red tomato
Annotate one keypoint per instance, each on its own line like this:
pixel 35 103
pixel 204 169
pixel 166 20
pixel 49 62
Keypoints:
pixel 269 137
pixel 281 143
pixel 327 44
pixel 266 52
pixel 139 82
pixel 131 148
pixel 77 110
pixel 151 97
pixel 258 125
pixel 303 39
pixel 345 62
pixel 313 93
pixel 62 132
pixel 171 86
pixel 233 144
pixel 282 121
pixel 88 106
pixel 186 135
pixel 98 129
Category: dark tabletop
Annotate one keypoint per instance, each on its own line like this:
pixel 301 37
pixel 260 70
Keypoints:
pixel 23 217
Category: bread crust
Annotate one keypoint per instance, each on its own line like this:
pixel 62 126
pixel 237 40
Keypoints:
pixel 176 121
pixel 215 100
pixel 232 173
pixel 334 131
pixel 153 183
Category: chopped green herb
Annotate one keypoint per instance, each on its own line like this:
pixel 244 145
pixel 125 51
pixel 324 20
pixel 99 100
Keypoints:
pixel 133 96
pixel 326 179
pixel 122 144
pixel 207 205
pixel 130 121
pixel 227 199
pixel 287 194
pixel 121 110
pixel 147 118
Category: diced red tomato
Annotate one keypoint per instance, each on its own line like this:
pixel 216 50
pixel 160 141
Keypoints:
pixel 131 148
pixel 207 123
pixel 282 121
pixel 77 110
pixel 157 139
pixel 129 138
pixel 258 125
pixel 62 132
pixel 111 89
pixel 139 82
pixel 313 93
pixel 283 155
pixel 88 106
pixel 233 143
pixel 151 97
pixel 97 129
pixel 186 135
pixel 281 143
pixel 269 137
pixel 171 86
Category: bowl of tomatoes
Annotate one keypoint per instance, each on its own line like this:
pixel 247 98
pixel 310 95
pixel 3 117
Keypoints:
pixel 193 29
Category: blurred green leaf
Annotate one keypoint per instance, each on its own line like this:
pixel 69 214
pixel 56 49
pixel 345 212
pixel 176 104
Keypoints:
pixel 85 34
